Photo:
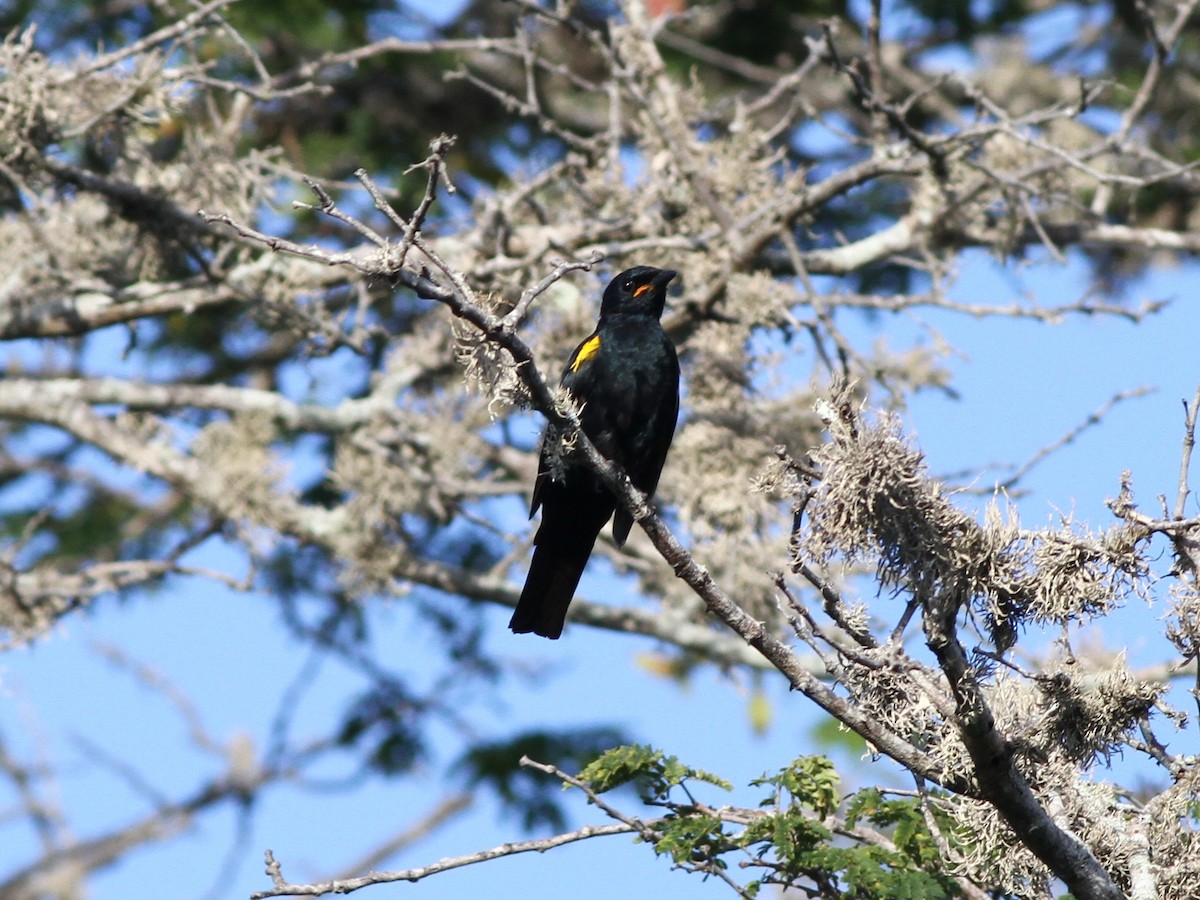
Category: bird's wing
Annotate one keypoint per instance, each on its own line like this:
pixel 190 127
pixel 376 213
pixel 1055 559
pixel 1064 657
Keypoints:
pixel 645 468
pixel 578 378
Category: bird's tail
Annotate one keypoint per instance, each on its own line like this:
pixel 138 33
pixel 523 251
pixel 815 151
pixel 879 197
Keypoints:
pixel 558 563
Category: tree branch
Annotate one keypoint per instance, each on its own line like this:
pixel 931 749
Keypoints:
pixel 282 888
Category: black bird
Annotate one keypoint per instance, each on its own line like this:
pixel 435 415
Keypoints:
pixel 626 375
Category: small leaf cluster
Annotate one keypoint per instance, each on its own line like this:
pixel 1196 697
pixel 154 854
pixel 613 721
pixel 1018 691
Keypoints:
pixel 804 833
pixel 693 836
pixel 804 839
pixel 655 773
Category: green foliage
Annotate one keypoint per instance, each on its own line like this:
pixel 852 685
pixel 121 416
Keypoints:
pixel 788 833
pixel 873 872
pixel 909 830
pixel 811 781
pixel 798 846
pixel 694 838
pixel 804 833
pixel 654 773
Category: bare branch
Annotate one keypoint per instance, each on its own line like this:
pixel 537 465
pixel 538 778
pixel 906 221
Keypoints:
pixel 1071 436
pixel 282 888
pixel 442 812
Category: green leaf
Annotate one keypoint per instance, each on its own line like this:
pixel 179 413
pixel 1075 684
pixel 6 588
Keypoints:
pixel 655 773
pixel 621 765
pixel 693 839
pixel 811 781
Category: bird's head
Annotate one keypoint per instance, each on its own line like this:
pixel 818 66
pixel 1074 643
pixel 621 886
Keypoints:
pixel 641 290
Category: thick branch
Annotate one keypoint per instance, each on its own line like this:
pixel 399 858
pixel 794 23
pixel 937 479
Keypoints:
pixel 999 780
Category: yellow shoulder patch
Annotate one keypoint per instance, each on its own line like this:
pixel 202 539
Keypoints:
pixel 585 352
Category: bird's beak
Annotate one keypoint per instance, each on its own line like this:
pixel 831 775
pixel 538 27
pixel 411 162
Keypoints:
pixel 663 278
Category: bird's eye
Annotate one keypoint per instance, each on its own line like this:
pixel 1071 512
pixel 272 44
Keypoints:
pixel 628 285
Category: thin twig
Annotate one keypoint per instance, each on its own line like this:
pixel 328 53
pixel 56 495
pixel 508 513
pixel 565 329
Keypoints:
pixel 1183 491
pixel 1093 419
